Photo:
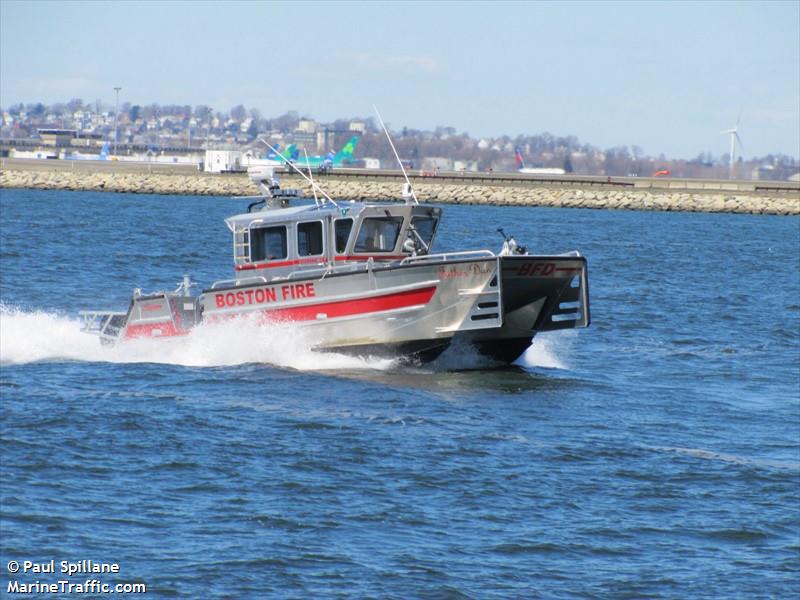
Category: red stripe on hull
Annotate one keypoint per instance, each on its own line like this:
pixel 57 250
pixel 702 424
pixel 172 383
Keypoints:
pixel 331 310
pixel 347 308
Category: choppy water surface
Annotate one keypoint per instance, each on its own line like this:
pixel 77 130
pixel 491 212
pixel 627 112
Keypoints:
pixel 656 454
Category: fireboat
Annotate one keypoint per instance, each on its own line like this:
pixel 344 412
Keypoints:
pixel 363 279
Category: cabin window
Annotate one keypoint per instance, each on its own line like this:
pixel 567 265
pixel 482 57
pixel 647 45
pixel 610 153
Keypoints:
pixel 342 227
pixel 268 243
pixel 425 228
pixel 378 234
pixel 309 238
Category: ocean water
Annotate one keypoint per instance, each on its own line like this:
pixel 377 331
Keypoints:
pixel 655 454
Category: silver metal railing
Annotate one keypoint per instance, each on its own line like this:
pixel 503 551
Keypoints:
pixel 254 278
pixel 449 256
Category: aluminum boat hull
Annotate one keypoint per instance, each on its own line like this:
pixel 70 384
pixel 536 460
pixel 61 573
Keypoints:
pixel 411 310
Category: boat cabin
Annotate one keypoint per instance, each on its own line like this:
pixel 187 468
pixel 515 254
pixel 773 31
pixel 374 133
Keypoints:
pixel 289 242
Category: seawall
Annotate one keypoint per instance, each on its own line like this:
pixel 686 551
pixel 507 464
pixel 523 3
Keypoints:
pixel 160 179
pixel 183 182
pixel 566 197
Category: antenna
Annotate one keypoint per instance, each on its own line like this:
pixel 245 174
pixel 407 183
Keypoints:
pixel 303 175
pixel 313 185
pixel 410 188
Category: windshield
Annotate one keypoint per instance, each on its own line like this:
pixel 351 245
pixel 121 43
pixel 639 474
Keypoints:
pixel 378 234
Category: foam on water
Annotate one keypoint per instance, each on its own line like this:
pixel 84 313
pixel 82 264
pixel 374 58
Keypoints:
pixel 725 457
pixel 28 336
pixel 35 336
pixel 548 351
pixel 545 352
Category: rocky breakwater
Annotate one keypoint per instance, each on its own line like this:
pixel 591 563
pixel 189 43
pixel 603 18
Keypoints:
pixel 566 197
pixel 199 184
pixel 427 190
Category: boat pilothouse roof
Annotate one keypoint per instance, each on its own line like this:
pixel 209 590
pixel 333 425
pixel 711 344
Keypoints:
pixel 361 278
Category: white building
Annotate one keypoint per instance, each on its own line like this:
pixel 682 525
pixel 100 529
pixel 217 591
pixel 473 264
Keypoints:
pixel 358 127
pixel 465 165
pixel 437 162
pixel 223 161
pixel 307 126
pixel 372 163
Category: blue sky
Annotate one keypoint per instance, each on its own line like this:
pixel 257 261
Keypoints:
pixel 666 76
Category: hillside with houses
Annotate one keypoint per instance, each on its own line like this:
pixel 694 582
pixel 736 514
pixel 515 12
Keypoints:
pixel 158 129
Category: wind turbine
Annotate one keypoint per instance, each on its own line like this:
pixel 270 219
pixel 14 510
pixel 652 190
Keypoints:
pixel 734 133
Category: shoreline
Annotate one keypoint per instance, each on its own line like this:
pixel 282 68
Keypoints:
pixel 161 179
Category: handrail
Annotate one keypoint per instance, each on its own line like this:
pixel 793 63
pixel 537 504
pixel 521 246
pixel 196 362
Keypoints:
pixel 448 255
pixel 358 266
pixel 101 313
pixel 225 281
pixel 347 266
pixel 99 322
pixel 322 270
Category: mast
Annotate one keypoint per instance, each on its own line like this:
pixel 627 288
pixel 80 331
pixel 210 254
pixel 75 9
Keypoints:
pixel 303 175
pixel 409 190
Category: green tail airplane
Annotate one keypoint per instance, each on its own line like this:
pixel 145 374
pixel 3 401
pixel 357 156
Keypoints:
pixel 289 153
pixel 332 159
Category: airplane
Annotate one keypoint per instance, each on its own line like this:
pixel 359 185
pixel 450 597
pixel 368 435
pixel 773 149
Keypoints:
pixel 104 154
pixel 332 159
pixel 290 153
pixel 521 168
pixel 272 158
pixel 273 154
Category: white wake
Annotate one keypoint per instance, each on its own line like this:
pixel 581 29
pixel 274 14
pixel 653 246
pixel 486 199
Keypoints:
pixel 549 350
pixel 36 336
